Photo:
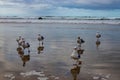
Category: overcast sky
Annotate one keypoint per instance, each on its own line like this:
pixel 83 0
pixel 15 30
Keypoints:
pixel 109 8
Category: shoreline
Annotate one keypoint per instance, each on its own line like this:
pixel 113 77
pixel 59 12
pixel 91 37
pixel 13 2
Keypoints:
pixel 114 22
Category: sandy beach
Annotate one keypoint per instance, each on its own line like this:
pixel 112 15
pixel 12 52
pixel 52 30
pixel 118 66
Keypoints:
pixel 54 63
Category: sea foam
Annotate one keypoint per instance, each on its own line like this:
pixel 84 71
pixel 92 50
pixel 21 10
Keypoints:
pixel 64 21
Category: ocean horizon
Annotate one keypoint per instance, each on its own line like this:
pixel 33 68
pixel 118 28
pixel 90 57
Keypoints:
pixel 62 19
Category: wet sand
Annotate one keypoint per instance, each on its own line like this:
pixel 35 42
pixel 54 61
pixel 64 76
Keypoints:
pixel 98 62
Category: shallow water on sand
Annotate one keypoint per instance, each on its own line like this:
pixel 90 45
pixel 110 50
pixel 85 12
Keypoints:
pixel 100 62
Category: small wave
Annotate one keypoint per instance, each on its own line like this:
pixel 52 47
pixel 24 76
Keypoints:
pixel 61 21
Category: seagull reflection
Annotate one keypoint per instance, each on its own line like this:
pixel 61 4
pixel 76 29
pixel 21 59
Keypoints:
pixel 98 43
pixel 98 35
pixel 40 49
pixel 76 55
pixel 20 51
pixel 23 50
pixel 79 50
pixel 25 57
pixel 75 70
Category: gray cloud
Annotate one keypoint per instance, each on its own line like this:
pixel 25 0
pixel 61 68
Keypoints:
pixel 57 7
pixel 94 1
pixel 89 4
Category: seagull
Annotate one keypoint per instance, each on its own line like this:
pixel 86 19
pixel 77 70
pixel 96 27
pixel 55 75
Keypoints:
pixel 40 38
pixel 25 45
pixel 97 43
pixel 74 54
pixel 79 40
pixel 18 39
pixel 98 35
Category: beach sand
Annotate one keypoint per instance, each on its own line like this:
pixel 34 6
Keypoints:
pixel 100 62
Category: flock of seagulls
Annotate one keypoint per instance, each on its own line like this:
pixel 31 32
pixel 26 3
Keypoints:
pixel 24 51
pixel 78 50
pixel 23 48
pixel 21 42
pixel 76 55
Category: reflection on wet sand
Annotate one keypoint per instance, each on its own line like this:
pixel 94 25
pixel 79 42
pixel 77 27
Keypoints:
pixel 25 58
pixel 98 43
pixel 75 71
pixel 98 35
pixel 23 50
pixel 40 47
pixel 76 55
pixel 24 55
pixel 59 41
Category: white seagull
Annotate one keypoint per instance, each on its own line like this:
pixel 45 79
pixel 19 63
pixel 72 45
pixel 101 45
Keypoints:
pixel 98 35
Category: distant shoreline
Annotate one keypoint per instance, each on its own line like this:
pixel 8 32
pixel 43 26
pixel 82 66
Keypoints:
pixel 117 22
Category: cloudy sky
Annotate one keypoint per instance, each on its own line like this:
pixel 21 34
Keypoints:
pixel 110 8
